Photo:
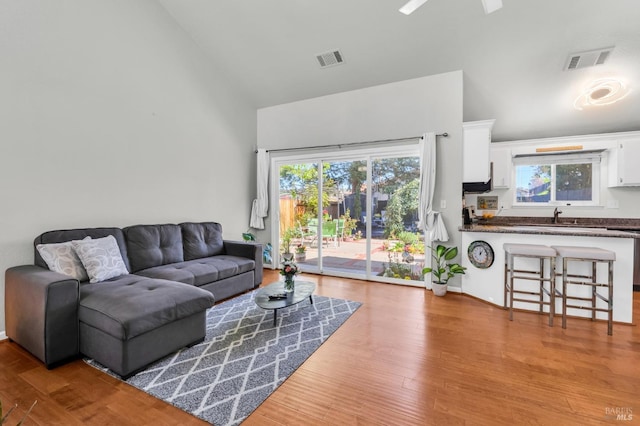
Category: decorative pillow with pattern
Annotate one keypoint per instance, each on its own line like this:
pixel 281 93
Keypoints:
pixel 62 258
pixel 101 258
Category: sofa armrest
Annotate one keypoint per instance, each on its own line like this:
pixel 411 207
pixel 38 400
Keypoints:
pixel 251 251
pixel 41 312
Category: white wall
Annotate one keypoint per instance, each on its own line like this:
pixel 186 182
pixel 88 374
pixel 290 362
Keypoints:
pixel 111 116
pixel 396 110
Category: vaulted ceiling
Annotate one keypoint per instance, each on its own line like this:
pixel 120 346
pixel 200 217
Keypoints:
pixel 512 60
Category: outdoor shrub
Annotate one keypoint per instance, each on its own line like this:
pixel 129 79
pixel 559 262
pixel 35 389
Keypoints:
pixel 408 237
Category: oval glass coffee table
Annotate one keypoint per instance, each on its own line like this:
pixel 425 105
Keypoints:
pixel 274 297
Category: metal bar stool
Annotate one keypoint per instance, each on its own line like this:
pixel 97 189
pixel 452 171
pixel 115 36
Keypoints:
pixel 594 256
pixel 534 251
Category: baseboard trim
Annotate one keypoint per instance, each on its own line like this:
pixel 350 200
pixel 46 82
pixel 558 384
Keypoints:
pixel 3 335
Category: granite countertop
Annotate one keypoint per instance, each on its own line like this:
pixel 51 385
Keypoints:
pixel 580 222
pixel 550 229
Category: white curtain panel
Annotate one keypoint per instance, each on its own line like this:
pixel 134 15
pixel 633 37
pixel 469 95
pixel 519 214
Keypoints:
pixel 429 220
pixel 260 206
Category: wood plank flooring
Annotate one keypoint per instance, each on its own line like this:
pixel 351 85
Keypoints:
pixel 405 357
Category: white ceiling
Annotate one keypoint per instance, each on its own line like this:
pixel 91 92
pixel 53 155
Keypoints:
pixel 512 59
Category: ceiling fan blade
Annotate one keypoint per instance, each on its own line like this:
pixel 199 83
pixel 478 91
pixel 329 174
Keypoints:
pixel 491 6
pixel 411 6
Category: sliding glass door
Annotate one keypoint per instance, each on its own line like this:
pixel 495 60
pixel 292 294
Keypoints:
pixel 397 243
pixel 298 207
pixel 344 248
pixel 352 216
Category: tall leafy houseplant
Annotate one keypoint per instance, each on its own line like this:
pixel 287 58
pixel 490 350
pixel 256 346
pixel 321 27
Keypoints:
pixel 443 269
pixel 288 235
pixel 266 248
pixel 266 253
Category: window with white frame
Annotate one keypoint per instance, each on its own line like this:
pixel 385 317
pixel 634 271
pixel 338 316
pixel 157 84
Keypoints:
pixel 558 179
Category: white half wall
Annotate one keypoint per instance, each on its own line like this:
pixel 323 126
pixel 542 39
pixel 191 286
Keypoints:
pixel 396 110
pixel 112 116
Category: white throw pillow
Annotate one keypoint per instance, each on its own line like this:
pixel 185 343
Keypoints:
pixel 101 258
pixel 61 257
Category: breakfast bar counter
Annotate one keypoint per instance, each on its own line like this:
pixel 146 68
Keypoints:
pixel 577 231
pixel 486 281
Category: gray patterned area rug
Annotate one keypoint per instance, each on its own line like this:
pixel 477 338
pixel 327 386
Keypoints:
pixel 243 358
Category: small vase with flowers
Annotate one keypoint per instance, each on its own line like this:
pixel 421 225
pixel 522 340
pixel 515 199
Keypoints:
pixel 289 271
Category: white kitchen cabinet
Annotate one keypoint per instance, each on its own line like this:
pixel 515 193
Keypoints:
pixel 476 151
pixel 502 166
pixel 623 163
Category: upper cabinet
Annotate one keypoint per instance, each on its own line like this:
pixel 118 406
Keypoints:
pixel 476 163
pixel 502 166
pixel 623 163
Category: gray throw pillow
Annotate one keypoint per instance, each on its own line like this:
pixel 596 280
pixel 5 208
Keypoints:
pixel 101 258
pixel 62 258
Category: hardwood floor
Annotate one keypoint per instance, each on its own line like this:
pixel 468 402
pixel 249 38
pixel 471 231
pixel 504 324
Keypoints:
pixel 405 357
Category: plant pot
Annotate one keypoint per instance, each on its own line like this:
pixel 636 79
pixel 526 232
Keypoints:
pixel 301 257
pixel 439 289
pixel 287 256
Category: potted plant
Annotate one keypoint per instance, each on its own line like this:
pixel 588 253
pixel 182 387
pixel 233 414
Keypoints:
pixel 287 236
pixel 248 236
pixel 443 270
pixel 301 255
pixel 266 253
pixel 266 248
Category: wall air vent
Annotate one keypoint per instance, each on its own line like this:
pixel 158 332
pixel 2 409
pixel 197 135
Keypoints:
pixel 587 59
pixel 329 59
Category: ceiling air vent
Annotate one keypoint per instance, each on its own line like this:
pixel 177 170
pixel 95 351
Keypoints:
pixel 329 59
pixel 587 59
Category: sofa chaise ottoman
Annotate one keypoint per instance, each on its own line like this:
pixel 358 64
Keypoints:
pixel 155 304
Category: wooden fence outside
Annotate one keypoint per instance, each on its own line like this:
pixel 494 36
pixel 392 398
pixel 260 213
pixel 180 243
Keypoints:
pixel 287 213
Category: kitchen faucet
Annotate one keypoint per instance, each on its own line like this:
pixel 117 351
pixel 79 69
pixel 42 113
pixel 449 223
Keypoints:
pixel 556 212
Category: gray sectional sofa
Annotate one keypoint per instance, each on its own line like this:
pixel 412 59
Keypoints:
pixel 156 303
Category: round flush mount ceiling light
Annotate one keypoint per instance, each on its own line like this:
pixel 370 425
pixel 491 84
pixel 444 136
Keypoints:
pixel 604 91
